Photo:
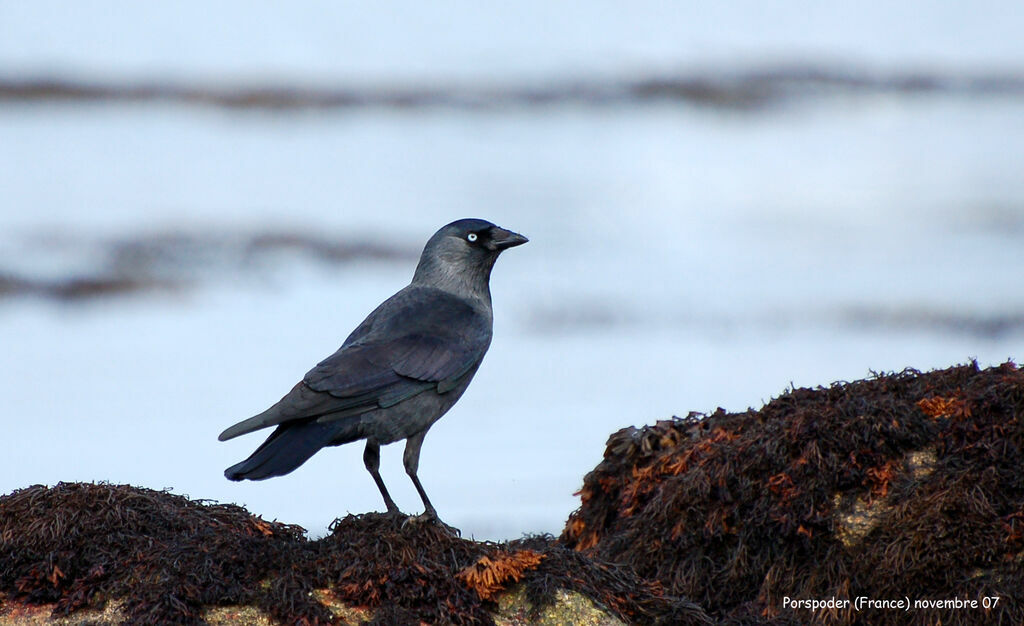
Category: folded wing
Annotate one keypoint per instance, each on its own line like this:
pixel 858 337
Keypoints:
pixel 419 339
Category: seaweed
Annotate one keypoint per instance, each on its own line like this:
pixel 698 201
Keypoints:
pixel 166 559
pixel 902 485
pixel 78 544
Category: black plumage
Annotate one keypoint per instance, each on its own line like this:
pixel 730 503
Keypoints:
pixel 398 372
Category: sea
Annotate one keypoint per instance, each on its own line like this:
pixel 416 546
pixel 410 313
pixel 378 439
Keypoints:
pixel 199 201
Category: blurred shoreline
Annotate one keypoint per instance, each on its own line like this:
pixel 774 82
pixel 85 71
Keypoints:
pixel 742 89
pixel 84 269
pixel 95 269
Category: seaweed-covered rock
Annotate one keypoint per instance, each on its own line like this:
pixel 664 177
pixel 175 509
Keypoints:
pixel 905 486
pixel 164 556
pixel 116 553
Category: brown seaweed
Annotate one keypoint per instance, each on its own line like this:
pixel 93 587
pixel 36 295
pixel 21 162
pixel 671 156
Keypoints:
pixel 167 558
pixel 903 485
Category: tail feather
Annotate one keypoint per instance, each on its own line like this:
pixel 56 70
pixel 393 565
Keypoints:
pixel 290 446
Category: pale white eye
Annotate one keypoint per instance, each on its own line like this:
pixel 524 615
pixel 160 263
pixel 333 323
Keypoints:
pixel 471 237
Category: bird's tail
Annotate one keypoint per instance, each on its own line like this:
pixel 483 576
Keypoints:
pixel 290 446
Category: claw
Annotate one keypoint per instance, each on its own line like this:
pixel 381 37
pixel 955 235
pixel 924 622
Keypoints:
pixel 430 517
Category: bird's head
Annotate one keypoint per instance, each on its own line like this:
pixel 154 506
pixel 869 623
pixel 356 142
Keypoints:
pixel 459 257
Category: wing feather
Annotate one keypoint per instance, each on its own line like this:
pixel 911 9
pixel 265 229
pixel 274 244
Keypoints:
pixel 419 339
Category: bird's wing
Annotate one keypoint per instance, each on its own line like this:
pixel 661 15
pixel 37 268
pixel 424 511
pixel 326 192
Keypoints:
pixel 417 340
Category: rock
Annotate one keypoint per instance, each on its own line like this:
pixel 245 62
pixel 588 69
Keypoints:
pixel 109 554
pixel 905 486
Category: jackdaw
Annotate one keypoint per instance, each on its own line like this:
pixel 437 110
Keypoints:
pixel 398 372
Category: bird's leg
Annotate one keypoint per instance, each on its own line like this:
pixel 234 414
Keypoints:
pixel 412 463
pixel 371 458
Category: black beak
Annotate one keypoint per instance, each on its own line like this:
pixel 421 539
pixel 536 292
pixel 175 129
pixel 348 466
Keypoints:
pixel 501 238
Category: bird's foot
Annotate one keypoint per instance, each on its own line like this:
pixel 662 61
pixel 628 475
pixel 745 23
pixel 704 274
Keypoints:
pixel 430 517
pixel 396 517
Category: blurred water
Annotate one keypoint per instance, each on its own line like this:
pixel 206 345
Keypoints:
pixel 681 257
